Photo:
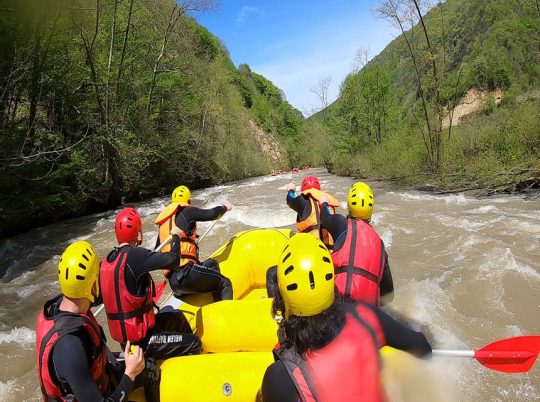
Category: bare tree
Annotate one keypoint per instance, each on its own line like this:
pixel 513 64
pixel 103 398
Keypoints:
pixel 429 62
pixel 179 9
pixel 321 90
pixel 360 59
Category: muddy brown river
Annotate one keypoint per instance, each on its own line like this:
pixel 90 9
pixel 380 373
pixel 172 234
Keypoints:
pixel 468 269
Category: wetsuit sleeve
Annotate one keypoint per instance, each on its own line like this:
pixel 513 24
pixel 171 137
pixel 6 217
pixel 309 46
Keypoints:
pixel 141 260
pixel 72 367
pixel 203 215
pixel 296 203
pixel 387 284
pixel 277 385
pixel 188 217
pixel 336 224
pixel 400 337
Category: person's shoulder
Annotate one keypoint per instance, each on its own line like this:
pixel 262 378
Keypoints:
pixel 275 368
pixel 69 343
pixel 137 251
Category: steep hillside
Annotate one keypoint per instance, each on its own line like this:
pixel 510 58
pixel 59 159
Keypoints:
pixel 469 60
pixel 107 102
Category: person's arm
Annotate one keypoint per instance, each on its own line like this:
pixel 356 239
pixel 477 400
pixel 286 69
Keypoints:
pixel 336 224
pixel 297 204
pixel 141 260
pixel 387 284
pixel 194 214
pixel 401 337
pixel 72 367
pixel 277 385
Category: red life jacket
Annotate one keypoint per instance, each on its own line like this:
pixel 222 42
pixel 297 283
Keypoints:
pixel 360 263
pixel 130 317
pixel 347 369
pixel 50 328
pixel 189 251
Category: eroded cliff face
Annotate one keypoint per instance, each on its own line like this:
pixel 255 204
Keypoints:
pixel 269 145
pixel 471 102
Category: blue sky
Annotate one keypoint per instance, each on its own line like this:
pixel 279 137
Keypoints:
pixel 296 43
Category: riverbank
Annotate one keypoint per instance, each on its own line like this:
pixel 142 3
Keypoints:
pixel 486 154
pixel 518 181
pixel 22 214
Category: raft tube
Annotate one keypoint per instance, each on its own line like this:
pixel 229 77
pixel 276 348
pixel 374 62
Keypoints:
pixel 237 335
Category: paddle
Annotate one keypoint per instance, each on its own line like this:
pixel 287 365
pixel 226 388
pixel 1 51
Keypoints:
pixel 201 237
pixel 511 355
pixel 160 287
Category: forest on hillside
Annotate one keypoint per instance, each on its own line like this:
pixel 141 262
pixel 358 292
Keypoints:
pixel 394 115
pixel 109 101
pixel 106 102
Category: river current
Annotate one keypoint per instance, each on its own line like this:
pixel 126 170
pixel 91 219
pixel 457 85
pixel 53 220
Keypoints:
pixel 467 270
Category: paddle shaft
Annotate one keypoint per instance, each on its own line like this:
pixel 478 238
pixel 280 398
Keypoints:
pixel 199 240
pixel 453 353
pixel 201 237
pixel 167 241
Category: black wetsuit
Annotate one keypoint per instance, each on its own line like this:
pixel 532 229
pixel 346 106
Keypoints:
pixel 200 277
pixel 71 358
pixel 172 335
pixel 300 204
pixel 336 224
pixel 278 386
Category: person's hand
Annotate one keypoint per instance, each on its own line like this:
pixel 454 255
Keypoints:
pixel 228 205
pixel 323 199
pixel 134 359
pixel 175 230
pixel 291 186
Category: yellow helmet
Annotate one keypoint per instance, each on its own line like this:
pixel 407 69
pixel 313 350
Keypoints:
pixel 78 271
pixel 360 201
pixel 181 195
pixel 305 276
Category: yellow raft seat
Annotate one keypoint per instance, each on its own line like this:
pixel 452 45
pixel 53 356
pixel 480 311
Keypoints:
pixel 244 259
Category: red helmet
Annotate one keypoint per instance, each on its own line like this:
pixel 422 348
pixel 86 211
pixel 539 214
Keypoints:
pixel 128 226
pixel 310 182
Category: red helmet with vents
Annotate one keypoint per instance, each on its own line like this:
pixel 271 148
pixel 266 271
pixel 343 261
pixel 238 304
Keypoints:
pixel 128 226
pixel 310 182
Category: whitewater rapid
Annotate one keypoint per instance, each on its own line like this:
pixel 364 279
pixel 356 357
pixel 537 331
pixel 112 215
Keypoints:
pixel 466 270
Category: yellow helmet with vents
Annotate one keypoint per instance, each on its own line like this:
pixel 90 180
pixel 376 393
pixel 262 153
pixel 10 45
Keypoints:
pixel 305 276
pixel 360 201
pixel 78 271
pixel 181 196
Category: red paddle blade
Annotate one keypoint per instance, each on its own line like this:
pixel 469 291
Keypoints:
pixel 511 355
pixel 160 288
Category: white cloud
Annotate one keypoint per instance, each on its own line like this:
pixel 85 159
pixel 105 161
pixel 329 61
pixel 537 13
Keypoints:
pixel 321 52
pixel 244 13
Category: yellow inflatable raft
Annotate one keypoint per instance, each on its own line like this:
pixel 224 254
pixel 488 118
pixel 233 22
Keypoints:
pixel 237 335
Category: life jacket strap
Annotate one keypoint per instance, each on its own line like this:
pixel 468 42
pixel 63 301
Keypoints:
pixel 130 314
pixel 359 271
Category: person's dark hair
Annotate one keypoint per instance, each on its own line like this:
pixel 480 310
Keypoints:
pixel 314 332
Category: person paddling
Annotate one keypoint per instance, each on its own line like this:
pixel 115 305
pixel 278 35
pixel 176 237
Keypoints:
pixel 360 259
pixel 329 351
pixel 192 276
pixel 307 206
pixel 128 291
pixel 71 351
